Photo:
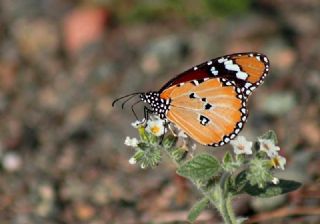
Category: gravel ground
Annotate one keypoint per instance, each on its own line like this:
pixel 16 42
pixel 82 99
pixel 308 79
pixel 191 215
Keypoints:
pixel 62 63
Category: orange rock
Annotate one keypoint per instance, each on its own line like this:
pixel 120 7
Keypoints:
pixel 84 211
pixel 83 26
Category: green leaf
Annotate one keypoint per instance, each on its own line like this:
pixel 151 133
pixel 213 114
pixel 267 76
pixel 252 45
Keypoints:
pixel 201 167
pixel 197 209
pixel 228 164
pixel 259 172
pixel 271 190
pixel 239 183
pixel 227 159
pixel 147 155
pixel 143 134
pixel 271 135
pixel 178 154
pixel 169 141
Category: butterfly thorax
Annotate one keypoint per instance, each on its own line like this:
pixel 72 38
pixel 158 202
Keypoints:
pixel 158 105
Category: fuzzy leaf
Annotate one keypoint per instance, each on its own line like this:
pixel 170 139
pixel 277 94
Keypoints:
pixel 143 134
pixel 228 163
pixel 197 209
pixel 270 135
pixel 201 167
pixel 169 141
pixel 227 159
pixel 271 190
pixel 178 153
pixel 239 183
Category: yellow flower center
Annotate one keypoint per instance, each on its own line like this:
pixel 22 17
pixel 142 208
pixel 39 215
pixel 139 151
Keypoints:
pixel 275 162
pixel 155 129
pixel 241 147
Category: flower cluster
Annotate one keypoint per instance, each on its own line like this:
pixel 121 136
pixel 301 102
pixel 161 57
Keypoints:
pixel 154 137
pixel 242 146
pixel 249 170
pixel 262 160
pixel 268 146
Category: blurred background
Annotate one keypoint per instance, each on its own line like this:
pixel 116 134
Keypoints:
pixel 62 62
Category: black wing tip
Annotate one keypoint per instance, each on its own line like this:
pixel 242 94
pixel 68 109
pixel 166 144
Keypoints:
pixel 253 53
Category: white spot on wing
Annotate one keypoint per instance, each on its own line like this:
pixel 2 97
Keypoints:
pixel 232 67
pixel 242 75
pixel 221 60
pixel 195 82
pixel 247 85
pixel 214 71
pixel 229 62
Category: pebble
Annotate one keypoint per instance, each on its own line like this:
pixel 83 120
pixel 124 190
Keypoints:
pixel 12 162
pixel 163 52
pixel 277 103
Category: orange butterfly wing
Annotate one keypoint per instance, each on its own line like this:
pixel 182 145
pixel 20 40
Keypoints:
pixel 211 112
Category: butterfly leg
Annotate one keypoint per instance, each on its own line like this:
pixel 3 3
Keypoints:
pixel 172 131
pixel 166 125
pixel 147 111
pixel 133 111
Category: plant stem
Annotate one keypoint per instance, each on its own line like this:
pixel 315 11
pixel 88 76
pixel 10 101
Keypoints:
pixel 226 210
pixel 225 205
pixel 219 197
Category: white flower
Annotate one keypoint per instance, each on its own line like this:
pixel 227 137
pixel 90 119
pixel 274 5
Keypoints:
pixel 155 127
pixel 241 145
pixel 137 123
pixel 132 161
pixel 275 180
pixel 267 145
pixel 278 161
pixel 133 142
pixel 143 166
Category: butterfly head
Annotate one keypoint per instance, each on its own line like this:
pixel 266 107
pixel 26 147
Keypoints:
pixel 158 105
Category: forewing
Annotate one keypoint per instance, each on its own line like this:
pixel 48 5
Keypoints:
pixel 245 70
pixel 211 111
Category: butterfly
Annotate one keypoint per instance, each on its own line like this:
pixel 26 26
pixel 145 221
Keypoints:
pixel 209 101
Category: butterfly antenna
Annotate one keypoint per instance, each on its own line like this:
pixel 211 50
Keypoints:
pixel 132 108
pixel 120 98
pixel 130 97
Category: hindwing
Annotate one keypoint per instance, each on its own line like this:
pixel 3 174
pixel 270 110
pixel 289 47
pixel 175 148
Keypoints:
pixel 211 111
